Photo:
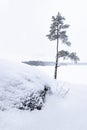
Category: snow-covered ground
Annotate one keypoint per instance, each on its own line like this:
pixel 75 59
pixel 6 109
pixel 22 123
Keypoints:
pixel 18 81
pixel 76 74
pixel 59 112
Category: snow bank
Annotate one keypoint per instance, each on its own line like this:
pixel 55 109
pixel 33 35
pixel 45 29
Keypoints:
pixel 18 80
pixel 68 113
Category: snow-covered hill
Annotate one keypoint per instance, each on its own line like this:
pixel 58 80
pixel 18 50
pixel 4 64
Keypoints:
pixel 60 112
pixel 19 81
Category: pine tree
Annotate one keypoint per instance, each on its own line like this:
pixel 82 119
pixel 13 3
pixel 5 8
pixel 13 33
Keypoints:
pixel 58 32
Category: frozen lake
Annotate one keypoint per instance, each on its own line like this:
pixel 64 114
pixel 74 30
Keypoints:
pixel 76 74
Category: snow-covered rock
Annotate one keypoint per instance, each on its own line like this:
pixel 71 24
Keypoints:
pixel 19 83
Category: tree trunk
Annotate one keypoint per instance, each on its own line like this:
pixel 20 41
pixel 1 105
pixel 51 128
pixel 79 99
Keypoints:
pixel 56 64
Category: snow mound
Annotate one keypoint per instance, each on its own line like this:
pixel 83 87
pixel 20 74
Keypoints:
pixel 19 81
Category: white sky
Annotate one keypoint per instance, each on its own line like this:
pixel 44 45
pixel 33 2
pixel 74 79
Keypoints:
pixel 24 24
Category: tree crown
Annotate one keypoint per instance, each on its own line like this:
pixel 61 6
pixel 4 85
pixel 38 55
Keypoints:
pixel 58 29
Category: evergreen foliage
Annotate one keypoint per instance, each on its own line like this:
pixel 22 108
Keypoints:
pixel 65 54
pixel 57 29
pixel 34 100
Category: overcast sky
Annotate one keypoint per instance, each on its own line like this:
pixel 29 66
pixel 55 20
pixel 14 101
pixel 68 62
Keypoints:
pixel 24 25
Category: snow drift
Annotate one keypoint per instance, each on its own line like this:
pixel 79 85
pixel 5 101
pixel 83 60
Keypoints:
pixel 23 86
pixel 19 80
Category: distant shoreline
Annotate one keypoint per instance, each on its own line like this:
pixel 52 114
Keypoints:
pixel 49 63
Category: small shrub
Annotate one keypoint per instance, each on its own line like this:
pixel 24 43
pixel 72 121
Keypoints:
pixel 35 100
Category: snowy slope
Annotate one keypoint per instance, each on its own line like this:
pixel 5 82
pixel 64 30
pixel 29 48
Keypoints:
pixel 18 80
pixel 59 113
pixel 68 113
